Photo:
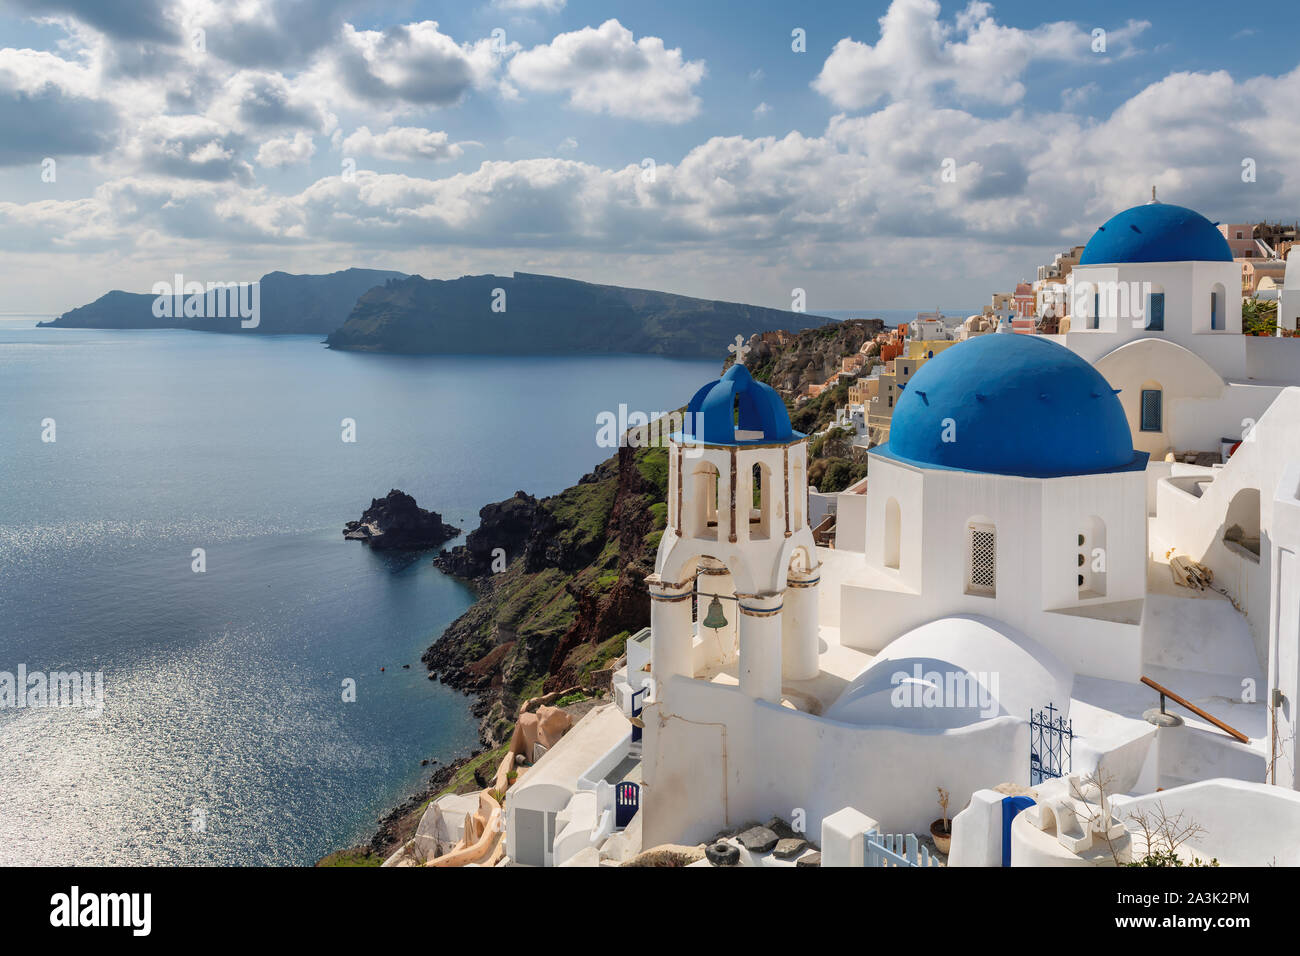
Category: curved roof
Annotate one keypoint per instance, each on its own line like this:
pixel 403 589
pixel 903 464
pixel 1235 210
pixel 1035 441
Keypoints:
pixel 953 672
pixel 1011 405
pixel 1156 232
pixel 737 410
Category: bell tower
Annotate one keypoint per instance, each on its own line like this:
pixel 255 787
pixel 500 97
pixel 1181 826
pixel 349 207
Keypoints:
pixel 737 547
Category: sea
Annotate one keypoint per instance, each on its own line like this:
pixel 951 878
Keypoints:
pixel 171 515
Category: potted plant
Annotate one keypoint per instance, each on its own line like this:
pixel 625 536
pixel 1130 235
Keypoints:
pixel 941 829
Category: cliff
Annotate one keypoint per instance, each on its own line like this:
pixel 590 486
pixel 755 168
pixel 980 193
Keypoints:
pixel 561 586
pixel 289 304
pixel 791 361
pixel 541 315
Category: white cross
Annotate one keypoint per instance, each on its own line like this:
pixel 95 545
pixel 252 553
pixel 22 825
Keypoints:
pixel 739 349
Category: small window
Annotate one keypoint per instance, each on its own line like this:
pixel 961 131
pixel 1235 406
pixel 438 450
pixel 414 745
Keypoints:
pixel 1094 320
pixel 983 560
pixel 1156 312
pixel 1151 410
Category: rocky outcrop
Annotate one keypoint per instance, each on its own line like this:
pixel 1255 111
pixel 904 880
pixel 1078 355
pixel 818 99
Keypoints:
pixel 395 522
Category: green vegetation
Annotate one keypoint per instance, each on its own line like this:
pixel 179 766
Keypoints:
pixel 1169 858
pixel 1259 317
pixel 576 697
pixel 352 857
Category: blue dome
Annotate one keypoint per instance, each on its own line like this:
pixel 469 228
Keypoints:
pixel 1156 232
pixel 1019 405
pixel 761 411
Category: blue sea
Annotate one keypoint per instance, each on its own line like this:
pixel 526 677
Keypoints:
pixel 225 736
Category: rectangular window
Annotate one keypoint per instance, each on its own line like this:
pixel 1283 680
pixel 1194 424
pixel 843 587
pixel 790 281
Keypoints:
pixel 983 560
pixel 1216 323
pixel 1151 410
pixel 1094 320
pixel 1156 312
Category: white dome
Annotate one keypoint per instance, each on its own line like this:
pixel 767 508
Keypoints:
pixel 953 672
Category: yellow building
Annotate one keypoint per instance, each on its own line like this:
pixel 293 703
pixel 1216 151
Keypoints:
pixel 896 374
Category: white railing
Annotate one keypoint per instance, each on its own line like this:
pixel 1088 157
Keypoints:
pixel 896 849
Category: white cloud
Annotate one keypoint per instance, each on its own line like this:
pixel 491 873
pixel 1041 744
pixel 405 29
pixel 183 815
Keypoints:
pixel 1074 97
pixel 762 109
pixel 974 57
pixel 285 151
pixel 415 64
pixel 403 144
pixel 607 70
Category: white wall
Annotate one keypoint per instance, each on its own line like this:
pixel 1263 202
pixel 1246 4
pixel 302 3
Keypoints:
pixel 1186 286
pixel 717 758
pixel 1284 625
pixel 1246 824
pixel 1036 522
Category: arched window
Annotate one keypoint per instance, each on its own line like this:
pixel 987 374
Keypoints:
pixel 893 533
pixel 1218 308
pixel 760 515
pixel 1242 523
pixel 981 558
pixel 701 511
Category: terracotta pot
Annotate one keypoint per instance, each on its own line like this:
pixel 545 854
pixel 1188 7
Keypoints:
pixel 942 837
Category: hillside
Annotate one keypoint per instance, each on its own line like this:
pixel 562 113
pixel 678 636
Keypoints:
pixel 297 304
pixel 791 361
pixel 541 315
pixel 572 591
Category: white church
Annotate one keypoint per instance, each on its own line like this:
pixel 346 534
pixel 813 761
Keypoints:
pixel 1059 525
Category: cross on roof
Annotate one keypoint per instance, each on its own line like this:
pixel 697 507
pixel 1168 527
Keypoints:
pixel 739 349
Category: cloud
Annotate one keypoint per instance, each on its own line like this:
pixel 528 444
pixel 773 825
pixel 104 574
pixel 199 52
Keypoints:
pixel 256 100
pixel 1073 98
pixel 137 20
pixel 285 151
pixel 403 144
pixel 973 57
pixel 269 33
pixel 189 147
pixel 762 109
pixel 48 107
pixel 412 64
pixel 607 70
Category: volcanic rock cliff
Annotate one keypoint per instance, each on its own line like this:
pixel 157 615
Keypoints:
pixel 561 585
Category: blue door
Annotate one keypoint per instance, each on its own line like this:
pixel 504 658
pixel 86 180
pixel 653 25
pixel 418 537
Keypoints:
pixel 1010 807
pixel 627 800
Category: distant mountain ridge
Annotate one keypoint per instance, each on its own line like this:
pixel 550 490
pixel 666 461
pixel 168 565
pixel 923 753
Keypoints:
pixel 548 315
pixel 289 304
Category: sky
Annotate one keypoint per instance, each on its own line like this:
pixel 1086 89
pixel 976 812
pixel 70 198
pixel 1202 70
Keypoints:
pixel 873 155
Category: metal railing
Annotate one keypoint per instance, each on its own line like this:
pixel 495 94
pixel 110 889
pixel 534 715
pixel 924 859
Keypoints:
pixel 1183 702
